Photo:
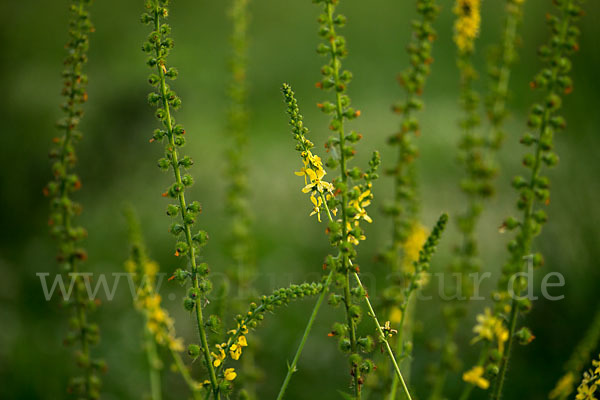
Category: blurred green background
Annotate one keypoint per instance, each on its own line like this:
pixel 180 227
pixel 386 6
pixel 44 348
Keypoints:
pixel 117 165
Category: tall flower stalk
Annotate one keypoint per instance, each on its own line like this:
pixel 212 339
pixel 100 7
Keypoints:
pixel 159 327
pixel 478 157
pixel 322 198
pixel 543 121
pixel 498 330
pixel 403 209
pixel 172 135
pixel 239 242
pixel 63 209
pixel 239 246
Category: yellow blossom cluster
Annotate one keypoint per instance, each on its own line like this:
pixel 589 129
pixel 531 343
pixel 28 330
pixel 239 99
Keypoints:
pixel 564 387
pixel 466 26
pixel 234 347
pixel 588 388
pixel 158 321
pixel 412 246
pixel 475 377
pixel 313 174
pixel 491 328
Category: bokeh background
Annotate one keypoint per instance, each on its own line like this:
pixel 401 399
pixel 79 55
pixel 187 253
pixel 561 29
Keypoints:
pixel 117 165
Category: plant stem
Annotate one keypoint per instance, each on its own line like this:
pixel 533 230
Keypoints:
pixel 154 365
pixel 400 350
pixel 313 316
pixel 383 339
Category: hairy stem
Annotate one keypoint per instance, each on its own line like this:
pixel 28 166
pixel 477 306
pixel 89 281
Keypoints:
pixel 384 340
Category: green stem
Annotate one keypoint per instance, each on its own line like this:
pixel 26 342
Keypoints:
pixel 399 350
pixel 514 313
pixel 153 365
pixel 383 339
pixel 183 210
pixel 313 316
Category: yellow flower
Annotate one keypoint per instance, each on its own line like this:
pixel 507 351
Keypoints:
pixel 158 315
pixel 230 374
pixel 242 341
pixel 485 327
pixel 153 301
pixel 586 392
pixel 351 238
pixel 412 246
pixel 360 203
pixel 475 376
pixel 395 315
pixel 151 268
pixel 303 173
pixel 316 181
pixel 218 358
pixel 130 266
pixel 466 27
pixel 235 351
pixel 176 344
pixel 564 387
pixel 501 335
pixel 317 202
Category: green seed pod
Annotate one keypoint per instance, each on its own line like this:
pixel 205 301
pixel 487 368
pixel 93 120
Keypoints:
pixel 193 351
pixel 189 304
pixel 355 312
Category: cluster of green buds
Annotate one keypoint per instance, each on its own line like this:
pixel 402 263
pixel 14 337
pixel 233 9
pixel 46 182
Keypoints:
pixel 158 46
pixel 500 62
pixel 404 207
pixel 62 207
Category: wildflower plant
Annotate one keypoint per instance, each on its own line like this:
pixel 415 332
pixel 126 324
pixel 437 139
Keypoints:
pixel 534 192
pixel 172 135
pixel 477 156
pixel 350 192
pixel 159 327
pixel 63 209
pixel 408 235
pixel 240 246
